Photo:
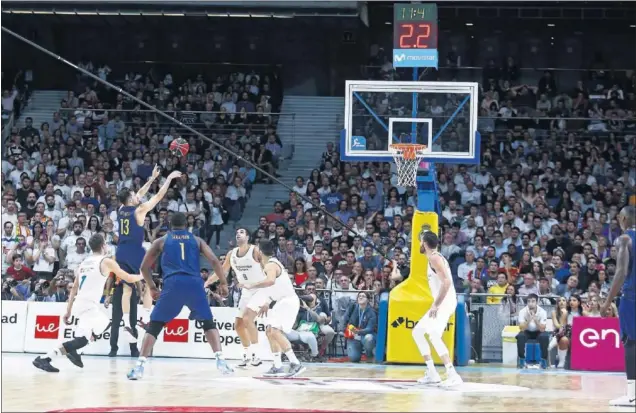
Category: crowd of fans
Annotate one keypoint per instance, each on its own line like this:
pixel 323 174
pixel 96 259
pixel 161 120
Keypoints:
pixel 538 216
pixel 60 181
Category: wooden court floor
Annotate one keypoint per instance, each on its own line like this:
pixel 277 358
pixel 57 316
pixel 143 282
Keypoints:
pixel 172 385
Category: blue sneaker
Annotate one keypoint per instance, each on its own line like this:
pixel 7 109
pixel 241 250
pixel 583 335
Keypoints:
pixel 137 373
pixel 223 367
pixel 521 363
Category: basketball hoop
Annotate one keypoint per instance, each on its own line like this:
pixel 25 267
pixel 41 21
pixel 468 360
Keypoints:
pixel 407 157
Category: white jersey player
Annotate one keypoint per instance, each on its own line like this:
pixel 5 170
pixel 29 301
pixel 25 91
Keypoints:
pixel 84 303
pixel 244 260
pixel 281 318
pixel 433 324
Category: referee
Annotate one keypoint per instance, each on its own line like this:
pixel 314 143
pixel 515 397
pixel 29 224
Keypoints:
pixel 117 314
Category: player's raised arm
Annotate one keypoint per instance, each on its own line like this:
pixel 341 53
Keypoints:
pixel 150 204
pixel 622 263
pixel 437 263
pixel 219 270
pixel 144 189
pixel 271 271
pixel 149 260
pixel 109 265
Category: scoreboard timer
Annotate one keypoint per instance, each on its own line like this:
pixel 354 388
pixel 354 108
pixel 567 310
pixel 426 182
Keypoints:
pixel 415 35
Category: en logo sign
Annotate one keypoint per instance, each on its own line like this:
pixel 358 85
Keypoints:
pixel 596 345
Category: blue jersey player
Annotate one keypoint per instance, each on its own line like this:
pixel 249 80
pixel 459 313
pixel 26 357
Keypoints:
pixel 129 254
pixel 182 286
pixel 625 277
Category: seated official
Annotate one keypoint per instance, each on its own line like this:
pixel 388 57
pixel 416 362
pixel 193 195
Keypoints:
pixel 532 323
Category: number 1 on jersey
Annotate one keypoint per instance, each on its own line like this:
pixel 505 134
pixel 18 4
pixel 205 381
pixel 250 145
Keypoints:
pixel 182 250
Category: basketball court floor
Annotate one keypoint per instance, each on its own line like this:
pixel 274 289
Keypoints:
pixel 193 385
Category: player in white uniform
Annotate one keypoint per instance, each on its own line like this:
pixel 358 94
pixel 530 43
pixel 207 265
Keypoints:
pixel 245 261
pixel 84 303
pixel 433 324
pixel 282 316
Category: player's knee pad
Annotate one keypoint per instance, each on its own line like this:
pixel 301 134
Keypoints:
pixel 75 344
pixel 207 325
pixel 154 328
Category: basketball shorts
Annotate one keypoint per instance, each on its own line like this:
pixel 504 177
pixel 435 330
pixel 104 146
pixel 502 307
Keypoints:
pixel 179 291
pixel 92 318
pixel 130 260
pixel 436 326
pixel 252 299
pixel 627 317
pixel 283 315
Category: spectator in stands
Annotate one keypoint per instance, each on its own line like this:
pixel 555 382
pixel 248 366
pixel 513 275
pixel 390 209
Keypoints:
pixel 532 323
pixel 510 305
pixel 363 320
pixel 497 290
pixel 529 285
pixel 18 271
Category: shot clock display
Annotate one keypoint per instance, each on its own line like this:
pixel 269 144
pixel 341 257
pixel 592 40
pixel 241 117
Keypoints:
pixel 415 35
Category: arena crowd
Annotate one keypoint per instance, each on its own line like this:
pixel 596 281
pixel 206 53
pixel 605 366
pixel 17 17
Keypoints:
pixel 538 216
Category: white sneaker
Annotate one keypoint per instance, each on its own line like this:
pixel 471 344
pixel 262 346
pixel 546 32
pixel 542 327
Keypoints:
pixel 452 380
pixel 430 379
pixel 255 362
pixel 623 401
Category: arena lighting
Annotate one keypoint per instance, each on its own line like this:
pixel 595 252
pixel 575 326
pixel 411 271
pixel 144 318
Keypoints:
pixel 551 24
pixel 252 15
pixel 469 24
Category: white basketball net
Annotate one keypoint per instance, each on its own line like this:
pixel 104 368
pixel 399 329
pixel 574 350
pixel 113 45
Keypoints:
pixel 407 158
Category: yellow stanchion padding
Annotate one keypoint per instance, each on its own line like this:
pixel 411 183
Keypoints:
pixel 409 301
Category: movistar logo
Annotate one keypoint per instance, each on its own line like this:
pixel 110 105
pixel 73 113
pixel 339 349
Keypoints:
pixel 399 57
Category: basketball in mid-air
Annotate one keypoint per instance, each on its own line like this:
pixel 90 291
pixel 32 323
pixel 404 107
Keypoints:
pixel 179 147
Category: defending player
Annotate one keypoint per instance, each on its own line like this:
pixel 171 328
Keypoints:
pixel 130 253
pixel 625 277
pixel 434 322
pixel 282 316
pixel 182 286
pixel 245 261
pixel 84 303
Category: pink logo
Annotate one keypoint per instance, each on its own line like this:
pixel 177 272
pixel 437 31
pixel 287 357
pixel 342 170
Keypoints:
pixel 47 326
pixel 176 331
pixel 596 344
